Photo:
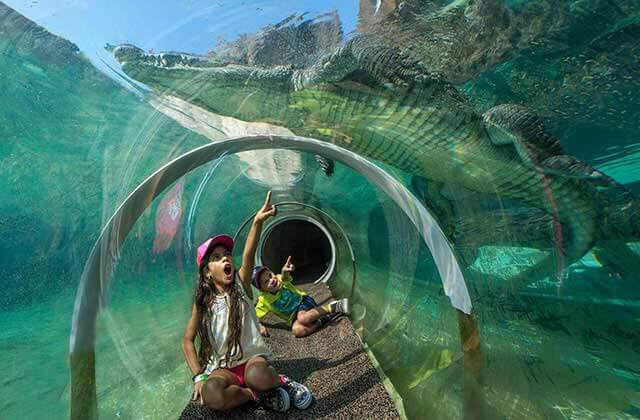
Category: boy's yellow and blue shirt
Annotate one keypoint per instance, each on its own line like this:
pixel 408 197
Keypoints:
pixel 283 304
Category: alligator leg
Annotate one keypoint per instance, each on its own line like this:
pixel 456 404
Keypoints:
pixel 518 227
pixel 472 366
pixel 430 193
pixel 326 165
pixel 552 265
pixel 618 257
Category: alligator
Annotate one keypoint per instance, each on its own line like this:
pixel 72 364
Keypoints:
pixel 380 103
pixel 556 65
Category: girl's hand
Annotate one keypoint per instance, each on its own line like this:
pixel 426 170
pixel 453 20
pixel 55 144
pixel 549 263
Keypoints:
pixel 266 211
pixel 264 331
pixel 287 268
pixel 197 392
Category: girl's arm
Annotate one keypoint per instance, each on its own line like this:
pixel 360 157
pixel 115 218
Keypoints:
pixel 188 346
pixel 249 253
pixel 263 330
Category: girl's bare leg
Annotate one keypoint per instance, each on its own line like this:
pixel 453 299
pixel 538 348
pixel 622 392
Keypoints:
pixel 222 391
pixel 259 375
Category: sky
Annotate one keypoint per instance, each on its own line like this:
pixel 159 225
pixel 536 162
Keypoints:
pixel 192 26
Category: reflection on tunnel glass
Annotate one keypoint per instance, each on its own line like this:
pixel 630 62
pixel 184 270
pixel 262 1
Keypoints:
pixel 513 123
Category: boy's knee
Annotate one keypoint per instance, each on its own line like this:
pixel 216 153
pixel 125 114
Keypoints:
pixel 298 330
pixel 303 316
pixel 213 393
pixel 261 377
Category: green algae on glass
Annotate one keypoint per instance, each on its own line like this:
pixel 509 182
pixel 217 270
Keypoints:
pixel 74 143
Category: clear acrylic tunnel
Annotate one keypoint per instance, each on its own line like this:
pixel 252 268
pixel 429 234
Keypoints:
pixel 113 173
pixel 346 230
pixel 363 232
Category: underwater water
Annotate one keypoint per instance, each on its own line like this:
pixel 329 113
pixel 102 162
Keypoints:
pixel 547 240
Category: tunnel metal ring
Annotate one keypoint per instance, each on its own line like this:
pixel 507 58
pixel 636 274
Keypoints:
pixel 268 230
pixel 344 234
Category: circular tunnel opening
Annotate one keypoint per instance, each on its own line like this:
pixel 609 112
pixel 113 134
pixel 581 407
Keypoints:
pixel 309 244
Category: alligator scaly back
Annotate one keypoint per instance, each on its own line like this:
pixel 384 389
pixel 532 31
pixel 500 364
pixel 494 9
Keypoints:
pixel 396 113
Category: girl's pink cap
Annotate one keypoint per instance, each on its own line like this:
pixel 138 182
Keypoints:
pixel 224 240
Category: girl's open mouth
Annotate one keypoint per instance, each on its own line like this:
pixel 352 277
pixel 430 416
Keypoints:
pixel 227 270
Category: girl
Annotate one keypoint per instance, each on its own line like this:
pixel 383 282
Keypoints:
pixel 230 367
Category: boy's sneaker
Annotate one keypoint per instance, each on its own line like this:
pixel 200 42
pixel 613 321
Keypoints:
pixel 276 399
pixel 299 394
pixel 342 306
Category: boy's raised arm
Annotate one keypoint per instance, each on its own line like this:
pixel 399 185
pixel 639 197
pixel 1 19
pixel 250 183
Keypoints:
pixel 249 253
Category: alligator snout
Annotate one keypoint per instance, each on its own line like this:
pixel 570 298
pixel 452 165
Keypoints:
pixel 125 52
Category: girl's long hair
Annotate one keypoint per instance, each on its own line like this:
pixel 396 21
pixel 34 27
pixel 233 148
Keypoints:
pixel 203 298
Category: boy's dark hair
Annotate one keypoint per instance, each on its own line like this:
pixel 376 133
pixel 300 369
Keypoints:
pixel 255 276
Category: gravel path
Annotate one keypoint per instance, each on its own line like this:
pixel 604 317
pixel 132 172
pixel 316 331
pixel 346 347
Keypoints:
pixel 331 362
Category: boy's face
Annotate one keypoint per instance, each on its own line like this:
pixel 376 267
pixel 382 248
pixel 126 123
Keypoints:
pixel 269 282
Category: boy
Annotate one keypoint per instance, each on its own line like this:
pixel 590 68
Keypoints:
pixel 279 296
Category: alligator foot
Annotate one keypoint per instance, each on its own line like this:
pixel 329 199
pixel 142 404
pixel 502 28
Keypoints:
pixel 326 165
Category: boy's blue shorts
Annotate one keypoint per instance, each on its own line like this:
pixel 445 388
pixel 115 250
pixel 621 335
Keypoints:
pixel 307 303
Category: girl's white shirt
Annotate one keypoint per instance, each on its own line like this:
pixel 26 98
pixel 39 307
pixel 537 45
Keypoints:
pixel 252 342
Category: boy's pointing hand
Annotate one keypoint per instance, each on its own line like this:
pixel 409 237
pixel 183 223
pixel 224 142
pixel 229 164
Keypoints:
pixel 288 267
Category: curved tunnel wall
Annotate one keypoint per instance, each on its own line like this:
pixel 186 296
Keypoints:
pixel 75 144
pixel 95 280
